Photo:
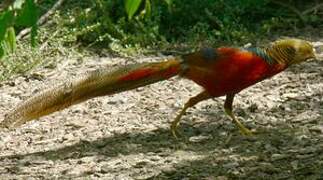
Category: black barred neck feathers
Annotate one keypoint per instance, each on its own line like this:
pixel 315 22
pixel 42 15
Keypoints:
pixel 290 51
pixel 260 52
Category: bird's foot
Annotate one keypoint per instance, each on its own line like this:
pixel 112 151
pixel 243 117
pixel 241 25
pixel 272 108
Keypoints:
pixel 243 130
pixel 174 130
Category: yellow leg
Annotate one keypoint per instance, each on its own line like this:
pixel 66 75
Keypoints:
pixel 228 110
pixel 191 102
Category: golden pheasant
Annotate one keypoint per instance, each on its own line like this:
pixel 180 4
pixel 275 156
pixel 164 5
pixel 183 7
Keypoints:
pixel 223 71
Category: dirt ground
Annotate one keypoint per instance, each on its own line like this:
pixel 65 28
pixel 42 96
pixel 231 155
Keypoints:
pixel 126 136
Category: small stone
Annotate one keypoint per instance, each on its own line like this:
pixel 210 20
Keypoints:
pixel 36 76
pixel 253 107
pixel 155 158
pixel 294 164
pixel 269 147
pixel 308 150
pixel 276 157
pixel 220 178
pixel 304 156
pixel 200 138
pixel 231 165
pixel 318 128
pixel 140 164
pixel 11 83
pixel 247 45
pixel 290 95
pixel 268 167
pixel 140 89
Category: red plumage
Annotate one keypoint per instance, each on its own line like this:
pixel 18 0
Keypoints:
pixel 221 71
pixel 230 70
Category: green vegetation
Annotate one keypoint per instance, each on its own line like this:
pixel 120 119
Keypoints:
pixel 134 26
pixel 19 14
pixel 183 21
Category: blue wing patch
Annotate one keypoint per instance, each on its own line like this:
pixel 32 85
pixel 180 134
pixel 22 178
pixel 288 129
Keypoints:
pixel 209 54
pixel 261 53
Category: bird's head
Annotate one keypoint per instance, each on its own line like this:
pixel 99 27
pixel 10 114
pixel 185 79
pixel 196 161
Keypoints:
pixel 292 51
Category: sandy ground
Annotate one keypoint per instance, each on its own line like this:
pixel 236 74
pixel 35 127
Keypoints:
pixel 126 136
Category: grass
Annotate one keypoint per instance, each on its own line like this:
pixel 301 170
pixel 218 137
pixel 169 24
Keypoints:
pixel 50 49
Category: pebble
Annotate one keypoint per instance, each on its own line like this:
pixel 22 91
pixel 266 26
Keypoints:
pixel 276 157
pixel 126 152
pixel 317 128
pixel 200 138
pixel 231 165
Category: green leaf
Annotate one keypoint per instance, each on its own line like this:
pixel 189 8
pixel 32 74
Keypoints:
pixel 2 52
pixel 11 39
pixel 169 2
pixel 28 15
pixel 33 35
pixel 6 19
pixel 148 9
pixel 131 7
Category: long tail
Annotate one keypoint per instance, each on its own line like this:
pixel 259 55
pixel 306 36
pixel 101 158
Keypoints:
pixel 100 82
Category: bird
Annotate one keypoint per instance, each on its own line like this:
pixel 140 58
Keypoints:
pixel 220 71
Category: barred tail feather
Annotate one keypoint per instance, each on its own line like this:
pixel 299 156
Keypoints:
pixel 100 82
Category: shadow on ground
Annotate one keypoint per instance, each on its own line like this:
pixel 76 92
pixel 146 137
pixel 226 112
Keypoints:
pixel 280 151
pixel 276 152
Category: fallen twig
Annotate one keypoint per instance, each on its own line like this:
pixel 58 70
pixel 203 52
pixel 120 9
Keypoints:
pixel 312 9
pixel 41 20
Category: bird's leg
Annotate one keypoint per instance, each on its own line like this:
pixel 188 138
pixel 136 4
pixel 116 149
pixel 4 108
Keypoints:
pixel 191 102
pixel 228 111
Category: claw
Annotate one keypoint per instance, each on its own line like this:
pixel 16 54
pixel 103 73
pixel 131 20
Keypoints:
pixel 228 110
pixel 174 131
pixel 191 102
pixel 173 127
